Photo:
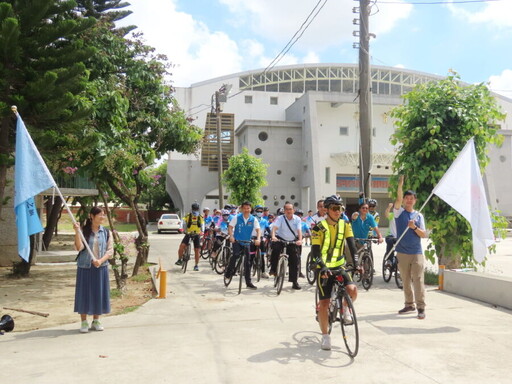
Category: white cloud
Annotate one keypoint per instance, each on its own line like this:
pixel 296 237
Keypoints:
pixel 279 20
pixel 197 53
pixel 496 14
pixel 502 83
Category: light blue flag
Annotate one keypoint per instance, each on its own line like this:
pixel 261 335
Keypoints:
pixel 31 177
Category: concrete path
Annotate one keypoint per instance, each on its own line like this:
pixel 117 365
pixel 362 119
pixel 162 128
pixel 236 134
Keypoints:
pixel 205 333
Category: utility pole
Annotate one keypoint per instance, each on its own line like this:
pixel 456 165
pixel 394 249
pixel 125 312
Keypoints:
pixel 365 99
pixel 221 96
pixel 219 148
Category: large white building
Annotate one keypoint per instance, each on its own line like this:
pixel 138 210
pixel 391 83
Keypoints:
pixel 302 121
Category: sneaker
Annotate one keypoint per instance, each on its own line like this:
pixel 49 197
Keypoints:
pixel 406 309
pixel 296 286
pixel 326 342
pixel 421 314
pixel 196 268
pixel 251 286
pixel 265 275
pixel 96 325
pixel 347 317
pixel 179 262
pixel 84 327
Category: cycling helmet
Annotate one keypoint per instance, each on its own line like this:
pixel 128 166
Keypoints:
pixel 280 211
pixel 333 200
pixel 259 206
pixel 195 207
pixel 372 202
pixel 225 212
pixel 206 209
pixel 299 212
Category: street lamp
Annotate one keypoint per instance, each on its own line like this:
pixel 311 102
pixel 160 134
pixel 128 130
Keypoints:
pixel 221 96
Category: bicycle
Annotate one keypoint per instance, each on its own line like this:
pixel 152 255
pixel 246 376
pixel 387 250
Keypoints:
pixel 240 265
pixel 310 269
pixel 223 256
pixel 340 302
pixel 390 267
pixel 282 266
pixel 188 252
pixel 257 264
pixel 207 244
pixel 366 262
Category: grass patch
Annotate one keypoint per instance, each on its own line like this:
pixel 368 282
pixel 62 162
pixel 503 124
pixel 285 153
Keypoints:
pixel 115 293
pixel 65 224
pixel 141 277
pixel 129 309
pixel 431 277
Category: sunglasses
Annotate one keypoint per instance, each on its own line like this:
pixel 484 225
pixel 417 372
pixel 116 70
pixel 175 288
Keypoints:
pixel 372 206
pixel 335 208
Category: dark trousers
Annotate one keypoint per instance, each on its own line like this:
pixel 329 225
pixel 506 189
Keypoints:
pixel 237 251
pixel 390 242
pixel 293 263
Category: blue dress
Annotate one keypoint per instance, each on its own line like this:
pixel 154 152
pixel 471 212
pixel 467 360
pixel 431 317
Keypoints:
pixel 92 291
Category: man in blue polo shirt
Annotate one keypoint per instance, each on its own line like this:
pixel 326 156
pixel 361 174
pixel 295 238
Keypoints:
pixel 363 223
pixel 240 229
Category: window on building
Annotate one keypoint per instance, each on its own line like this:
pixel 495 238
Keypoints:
pixel 273 100
pixel 343 131
pixel 263 136
pixel 257 151
pixel 248 99
pixel 327 175
pixel 289 141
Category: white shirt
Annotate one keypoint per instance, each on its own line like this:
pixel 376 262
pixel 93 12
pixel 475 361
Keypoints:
pixel 282 228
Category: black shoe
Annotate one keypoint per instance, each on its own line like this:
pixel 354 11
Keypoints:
pixel 296 286
pixel 179 262
pixel 407 309
pixel 301 275
pixel 251 286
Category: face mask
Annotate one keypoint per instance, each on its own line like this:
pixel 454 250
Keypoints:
pixel 195 213
pixel 259 214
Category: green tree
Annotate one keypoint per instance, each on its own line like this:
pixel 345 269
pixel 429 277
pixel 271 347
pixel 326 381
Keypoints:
pixel 42 72
pixel 156 196
pixel 432 126
pixel 244 178
pixel 135 120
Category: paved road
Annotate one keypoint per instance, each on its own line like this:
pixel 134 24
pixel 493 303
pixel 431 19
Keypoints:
pixel 203 333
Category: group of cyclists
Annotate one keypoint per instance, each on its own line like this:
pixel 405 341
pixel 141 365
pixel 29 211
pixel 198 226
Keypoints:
pixel 329 230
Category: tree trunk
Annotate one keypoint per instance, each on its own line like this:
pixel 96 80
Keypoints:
pixel 4 157
pixel 22 268
pixel 52 218
pixel 450 261
pixel 142 240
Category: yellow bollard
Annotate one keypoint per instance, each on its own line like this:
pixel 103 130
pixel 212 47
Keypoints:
pixel 441 277
pixel 163 284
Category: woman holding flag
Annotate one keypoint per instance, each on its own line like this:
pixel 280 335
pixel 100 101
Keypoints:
pixel 92 293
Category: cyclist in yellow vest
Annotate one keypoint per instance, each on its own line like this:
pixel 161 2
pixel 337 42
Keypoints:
pixel 328 238
pixel 193 226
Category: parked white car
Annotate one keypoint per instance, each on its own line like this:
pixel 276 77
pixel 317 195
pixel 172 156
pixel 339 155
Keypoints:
pixel 169 222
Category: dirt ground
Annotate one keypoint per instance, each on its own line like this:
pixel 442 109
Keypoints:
pixel 50 289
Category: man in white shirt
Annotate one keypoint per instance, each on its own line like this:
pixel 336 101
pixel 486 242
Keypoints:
pixel 319 215
pixel 287 227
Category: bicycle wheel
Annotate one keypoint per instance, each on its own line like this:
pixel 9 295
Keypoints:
pixel 281 273
pixel 221 262
pixel 206 247
pixel 334 310
pixel 350 331
pixel 387 271
pixel 367 277
pixel 310 269
pixel 227 280
pixel 398 278
pixel 186 258
pixel 241 270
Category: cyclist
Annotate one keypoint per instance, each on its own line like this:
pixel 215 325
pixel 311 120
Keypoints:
pixel 193 226
pixel 363 223
pixel 240 229
pixel 319 215
pixel 372 210
pixel 287 227
pixel 328 239
pixel 264 225
pixel 266 213
pixel 221 230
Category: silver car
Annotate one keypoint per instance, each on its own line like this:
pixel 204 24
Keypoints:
pixel 169 222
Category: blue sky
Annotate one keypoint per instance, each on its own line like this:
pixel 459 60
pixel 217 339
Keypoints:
pixel 210 38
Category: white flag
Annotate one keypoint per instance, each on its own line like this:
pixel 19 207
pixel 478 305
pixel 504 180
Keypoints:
pixel 463 188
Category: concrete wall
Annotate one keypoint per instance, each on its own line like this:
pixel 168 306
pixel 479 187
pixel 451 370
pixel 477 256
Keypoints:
pixel 490 289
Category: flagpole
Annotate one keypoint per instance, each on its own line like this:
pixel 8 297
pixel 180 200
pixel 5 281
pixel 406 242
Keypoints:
pixel 84 242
